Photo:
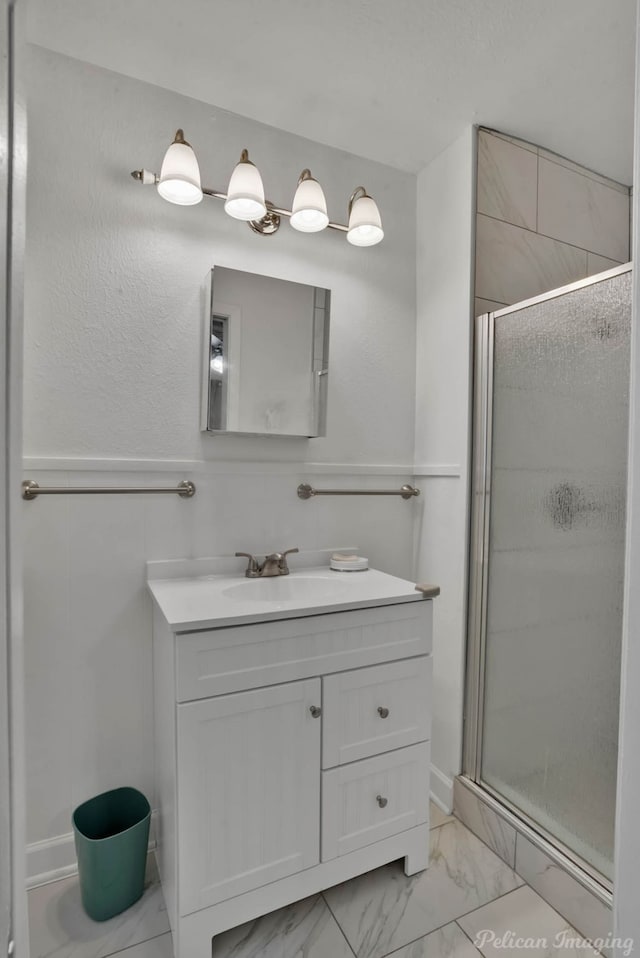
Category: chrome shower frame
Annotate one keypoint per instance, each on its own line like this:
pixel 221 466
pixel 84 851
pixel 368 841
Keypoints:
pixel 478 582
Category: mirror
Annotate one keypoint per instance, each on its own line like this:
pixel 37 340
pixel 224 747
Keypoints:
pixel 266 351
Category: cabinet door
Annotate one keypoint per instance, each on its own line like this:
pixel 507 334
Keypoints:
pixel 248 791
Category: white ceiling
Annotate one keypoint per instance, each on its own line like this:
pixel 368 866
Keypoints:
pixel 392 80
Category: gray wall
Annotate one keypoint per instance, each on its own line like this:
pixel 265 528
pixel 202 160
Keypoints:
pixel 112 395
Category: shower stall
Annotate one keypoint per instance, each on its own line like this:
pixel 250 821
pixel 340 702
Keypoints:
pixel 547 563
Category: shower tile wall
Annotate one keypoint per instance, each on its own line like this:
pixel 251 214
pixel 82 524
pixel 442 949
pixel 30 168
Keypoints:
pixel 542 222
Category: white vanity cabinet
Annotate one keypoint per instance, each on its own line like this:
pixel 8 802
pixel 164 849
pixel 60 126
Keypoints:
pixel 291 755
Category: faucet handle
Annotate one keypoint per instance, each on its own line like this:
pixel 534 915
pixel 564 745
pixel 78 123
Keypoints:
pixel 282 562
pixel 252 565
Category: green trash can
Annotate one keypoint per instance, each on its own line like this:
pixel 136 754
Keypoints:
pixel 111 834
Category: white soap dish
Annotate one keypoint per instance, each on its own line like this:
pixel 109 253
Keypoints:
pixel 348 563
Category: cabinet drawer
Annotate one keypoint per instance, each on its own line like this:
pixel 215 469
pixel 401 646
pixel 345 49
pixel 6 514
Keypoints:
pixel 374 799
pixel 219 661
pixel 376 710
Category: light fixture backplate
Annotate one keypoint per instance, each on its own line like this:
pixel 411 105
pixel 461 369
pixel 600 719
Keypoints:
pixel 269 224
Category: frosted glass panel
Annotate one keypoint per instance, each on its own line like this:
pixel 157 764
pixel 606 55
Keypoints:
pixel 556 556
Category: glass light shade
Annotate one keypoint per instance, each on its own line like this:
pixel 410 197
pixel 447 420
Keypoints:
pixel 180 174
pixel 365 225
pixel 309 213
pixel 245 194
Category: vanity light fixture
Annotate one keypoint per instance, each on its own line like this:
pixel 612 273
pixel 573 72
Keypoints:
pixel 365 225
pixel 179 182
pixel 309 213
pixel 245 193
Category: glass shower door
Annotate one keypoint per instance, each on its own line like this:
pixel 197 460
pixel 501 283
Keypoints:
pixel 549 557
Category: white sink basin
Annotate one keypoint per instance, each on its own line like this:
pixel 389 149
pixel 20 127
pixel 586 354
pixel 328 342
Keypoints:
pixel 296 588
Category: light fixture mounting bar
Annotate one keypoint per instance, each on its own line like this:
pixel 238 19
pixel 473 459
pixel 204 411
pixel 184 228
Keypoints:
pixel 147 178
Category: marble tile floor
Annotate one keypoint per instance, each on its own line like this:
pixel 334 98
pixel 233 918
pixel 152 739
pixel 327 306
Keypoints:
pixel 467 895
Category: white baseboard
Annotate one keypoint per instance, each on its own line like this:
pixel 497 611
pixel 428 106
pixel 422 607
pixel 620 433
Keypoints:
pixel 441 790
pixel 50 860
pixel 55 858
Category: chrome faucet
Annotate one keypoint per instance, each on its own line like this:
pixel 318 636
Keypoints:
pixel 274 564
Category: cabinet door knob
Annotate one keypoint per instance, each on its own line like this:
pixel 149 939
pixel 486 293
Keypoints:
pixel 382 712
pixel 316 711
pixel 381 801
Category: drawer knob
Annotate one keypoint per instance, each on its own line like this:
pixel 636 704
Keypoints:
pixel 383 713
pixel 316 711
pixel 381 801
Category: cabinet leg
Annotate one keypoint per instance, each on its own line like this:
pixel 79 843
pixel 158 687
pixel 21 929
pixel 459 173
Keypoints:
pixel 418 858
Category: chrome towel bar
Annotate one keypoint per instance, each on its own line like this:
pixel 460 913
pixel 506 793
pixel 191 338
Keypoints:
pixel 306 491
pixel 31 490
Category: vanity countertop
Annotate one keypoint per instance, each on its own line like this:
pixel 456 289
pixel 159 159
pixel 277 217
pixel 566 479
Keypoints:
pixel 215 601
